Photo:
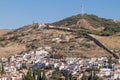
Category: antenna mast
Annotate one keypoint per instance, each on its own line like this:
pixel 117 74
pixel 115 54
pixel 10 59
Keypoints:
pixel 82 9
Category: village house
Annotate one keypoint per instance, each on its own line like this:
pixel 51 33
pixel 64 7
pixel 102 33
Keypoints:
pixel 116 74
pixel 105 72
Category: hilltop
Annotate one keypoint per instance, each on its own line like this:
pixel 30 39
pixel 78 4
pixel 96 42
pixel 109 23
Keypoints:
pixel 63 43
pixel 91 24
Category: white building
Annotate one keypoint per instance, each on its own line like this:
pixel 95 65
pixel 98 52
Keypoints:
pixel 42 26
pixel 104 72
pixel 116 74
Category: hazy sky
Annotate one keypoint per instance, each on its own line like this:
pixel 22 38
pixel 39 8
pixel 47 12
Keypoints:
pixel 17 13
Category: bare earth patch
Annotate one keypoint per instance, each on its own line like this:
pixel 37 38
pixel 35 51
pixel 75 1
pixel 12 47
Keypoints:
pixel 11 50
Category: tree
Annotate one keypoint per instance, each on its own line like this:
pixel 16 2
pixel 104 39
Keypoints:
pixel 70 76
pixel 43 76
pixel 110 60
pixel 84 77
pixel 34 75
pixel 29 75
pixel 93 76
pixel 2 71
pixel 67 76
pixel 24 65
pixel 39 75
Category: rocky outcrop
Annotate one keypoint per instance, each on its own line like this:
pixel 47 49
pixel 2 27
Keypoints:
pixel 83 23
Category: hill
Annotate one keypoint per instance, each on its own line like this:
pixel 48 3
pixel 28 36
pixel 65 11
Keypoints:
pixel 62 42
pixel 91 24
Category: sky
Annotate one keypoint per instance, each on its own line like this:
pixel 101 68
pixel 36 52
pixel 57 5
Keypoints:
pixel 17 13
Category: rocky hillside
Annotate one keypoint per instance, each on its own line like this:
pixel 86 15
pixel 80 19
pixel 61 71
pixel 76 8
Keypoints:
pixel 62 42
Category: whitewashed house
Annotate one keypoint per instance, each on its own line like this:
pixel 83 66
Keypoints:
pixel 104 72
pixel 56 65
pixel 116 74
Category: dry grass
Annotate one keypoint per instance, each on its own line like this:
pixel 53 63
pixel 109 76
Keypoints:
pixel 110 42
pixel 11 50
